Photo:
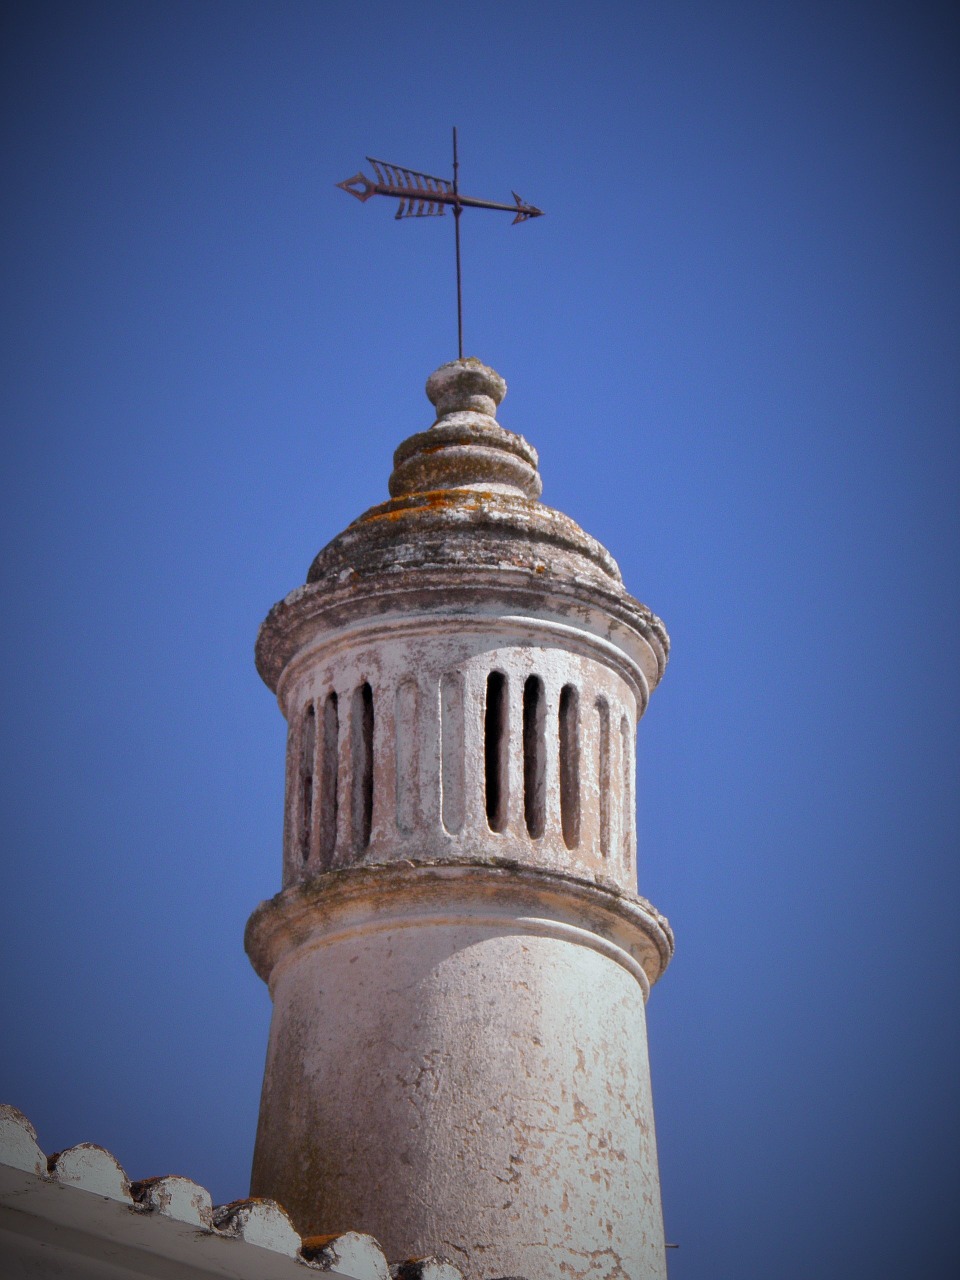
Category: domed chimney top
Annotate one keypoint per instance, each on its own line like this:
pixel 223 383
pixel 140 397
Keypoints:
pixel 463 528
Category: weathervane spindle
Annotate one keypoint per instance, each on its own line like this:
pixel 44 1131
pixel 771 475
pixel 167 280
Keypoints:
pixel 457 210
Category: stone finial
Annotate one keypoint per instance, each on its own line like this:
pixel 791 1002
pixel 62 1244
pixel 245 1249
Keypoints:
pixel 464 385
pixel 466 448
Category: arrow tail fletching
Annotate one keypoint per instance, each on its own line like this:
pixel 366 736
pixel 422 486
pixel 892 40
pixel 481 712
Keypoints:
pixel 414 175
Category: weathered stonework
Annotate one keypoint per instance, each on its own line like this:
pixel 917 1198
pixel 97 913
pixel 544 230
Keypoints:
pixel 458 960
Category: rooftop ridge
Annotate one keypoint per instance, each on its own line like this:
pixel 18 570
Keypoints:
pixel 195 1233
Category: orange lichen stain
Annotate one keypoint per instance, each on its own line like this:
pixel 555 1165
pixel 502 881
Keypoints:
pixel 431 500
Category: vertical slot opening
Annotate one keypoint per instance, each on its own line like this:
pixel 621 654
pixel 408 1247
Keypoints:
pixel 495 750
pixel 570 765
pixel 308 749
pixel 361 741
pixel 328 779
pixel 603 727
pixel 534 756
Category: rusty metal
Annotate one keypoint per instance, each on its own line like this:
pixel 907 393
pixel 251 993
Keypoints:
pixel 414 191
pixel 424 195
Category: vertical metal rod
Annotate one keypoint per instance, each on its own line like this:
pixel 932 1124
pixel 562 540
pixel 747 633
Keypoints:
pixel 456 222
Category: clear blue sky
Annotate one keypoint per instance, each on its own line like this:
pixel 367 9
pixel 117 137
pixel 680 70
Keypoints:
pixel 734 340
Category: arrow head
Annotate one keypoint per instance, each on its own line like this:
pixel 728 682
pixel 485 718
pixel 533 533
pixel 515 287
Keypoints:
pixel 525 211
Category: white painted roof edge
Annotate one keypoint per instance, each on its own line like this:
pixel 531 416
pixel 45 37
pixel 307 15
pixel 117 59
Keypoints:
pixel 78 1205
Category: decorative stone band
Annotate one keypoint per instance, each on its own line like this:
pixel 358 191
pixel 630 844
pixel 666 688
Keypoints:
pixel 465 450
pixel 586 609
pixel 519 628
pixel 362 900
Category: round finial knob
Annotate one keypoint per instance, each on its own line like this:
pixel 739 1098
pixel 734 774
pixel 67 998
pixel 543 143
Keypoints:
pixel 466 448
pixel 465 385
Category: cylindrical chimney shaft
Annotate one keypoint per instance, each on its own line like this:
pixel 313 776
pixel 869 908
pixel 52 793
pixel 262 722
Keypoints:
pixel 458 960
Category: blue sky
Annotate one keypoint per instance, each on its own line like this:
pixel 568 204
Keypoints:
pixel 733 339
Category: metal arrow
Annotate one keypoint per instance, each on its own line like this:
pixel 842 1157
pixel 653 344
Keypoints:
pixel 422 195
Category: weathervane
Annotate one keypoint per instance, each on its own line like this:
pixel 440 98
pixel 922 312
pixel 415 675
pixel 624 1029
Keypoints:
pixel 422 195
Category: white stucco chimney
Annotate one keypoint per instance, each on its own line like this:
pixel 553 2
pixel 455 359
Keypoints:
pixel 459 960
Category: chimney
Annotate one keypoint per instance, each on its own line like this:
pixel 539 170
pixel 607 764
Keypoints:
pixel 459 960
